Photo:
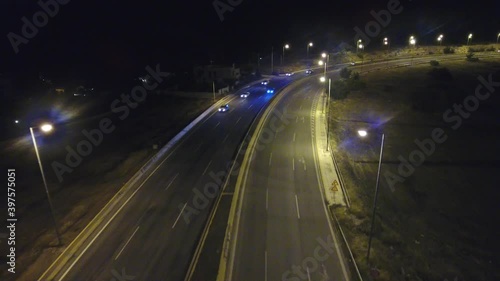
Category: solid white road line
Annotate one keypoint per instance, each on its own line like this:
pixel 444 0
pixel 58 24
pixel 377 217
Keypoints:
pixel 250 106
pixel 207 167
pixel 178 217
pixel 172 181
pixel 217 125
pixel 270 158
pixel 297 204
pixel 238 120
pixel 267 198
pixel 128 241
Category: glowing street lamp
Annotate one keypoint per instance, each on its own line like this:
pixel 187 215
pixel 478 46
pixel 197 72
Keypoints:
pixel 358 45
pixel 413 41
pixel 322 79
pixel 45 128
pixel 327 56
pixel 286 46
pixel 498 36
pixel 440 39
pixel 469 38
pixel 309 46
pixel 362 133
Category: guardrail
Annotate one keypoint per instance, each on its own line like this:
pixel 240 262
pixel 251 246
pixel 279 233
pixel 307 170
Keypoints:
pixel 353 268
pixel 341 179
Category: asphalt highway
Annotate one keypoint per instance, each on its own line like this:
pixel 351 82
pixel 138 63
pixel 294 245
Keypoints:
pixel 284 231
pixel 153 235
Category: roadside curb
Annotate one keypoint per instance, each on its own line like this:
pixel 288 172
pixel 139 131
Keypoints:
pixel 328 169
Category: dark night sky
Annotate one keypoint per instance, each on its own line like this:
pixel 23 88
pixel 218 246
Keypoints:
pixel 116 38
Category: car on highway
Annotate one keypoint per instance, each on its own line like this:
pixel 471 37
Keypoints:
pixel 265 82
pixel 270 91
pixel 289 74
pixel 224 108
pixel 309 71
pixel 353 63
pixel 245 95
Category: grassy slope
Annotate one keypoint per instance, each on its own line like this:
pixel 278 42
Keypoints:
pixel 440 222
pixel 89 187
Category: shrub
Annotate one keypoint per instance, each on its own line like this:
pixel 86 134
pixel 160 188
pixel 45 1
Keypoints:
pixel 491 49
pixel 470 57
pixel 440 74
pixel 434 63
pixel 448 50
pixel 355 75
pixel 471 50
pixel 345 73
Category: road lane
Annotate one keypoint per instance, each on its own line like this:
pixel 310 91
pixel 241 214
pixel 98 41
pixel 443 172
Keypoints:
pixel 280 242
pixel 147 238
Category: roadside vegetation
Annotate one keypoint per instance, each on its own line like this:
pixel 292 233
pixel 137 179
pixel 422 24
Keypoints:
pixel 85 191
pixel 439 221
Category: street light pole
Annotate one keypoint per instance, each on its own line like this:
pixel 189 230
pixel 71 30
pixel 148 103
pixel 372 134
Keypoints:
pixel 328 115
pixel 272 60
pixel 213 88
pixel 375 199
pixel 46 187
pixel 498 36
pixel 308 45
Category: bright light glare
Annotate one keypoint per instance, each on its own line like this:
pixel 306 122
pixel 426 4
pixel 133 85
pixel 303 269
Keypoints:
pixel 310 44
pixel 46 127
pixel 320 62
pixel 322 79
pixel 362 133
pixel 16 121
pixel 323 55
pixel 470 36
pixel 287 46
pixel 413 41
pixel 360 46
